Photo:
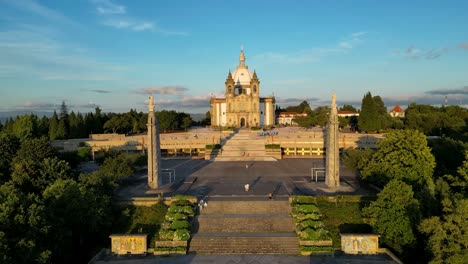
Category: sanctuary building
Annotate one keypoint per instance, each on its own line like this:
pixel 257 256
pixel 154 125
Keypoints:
pixel 242 106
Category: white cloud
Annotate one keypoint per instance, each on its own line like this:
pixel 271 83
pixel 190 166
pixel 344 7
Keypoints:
pixel 106 7
pixel 345 45
pixel 143 26
pixel 118 23
pixel 163 90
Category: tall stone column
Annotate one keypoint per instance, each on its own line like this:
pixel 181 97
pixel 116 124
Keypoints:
pixel 332 177
pixel 154 150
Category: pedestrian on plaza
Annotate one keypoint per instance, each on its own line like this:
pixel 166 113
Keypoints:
pixel 270 196
pixel 201 204
pixel 247 187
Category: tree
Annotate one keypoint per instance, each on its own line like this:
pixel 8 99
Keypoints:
pixel 448 235
pixel 186 122
pixel 29 164
pixel 64 121
pixel 348 108
pixel 116 168
pixel 25 127
pixel 9 145
pixel 53 127
pixel 394 214
pixel 22 227
pixel 357 159
pixel 369 117
pixel 404 155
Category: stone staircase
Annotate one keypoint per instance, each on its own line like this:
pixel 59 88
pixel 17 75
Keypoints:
pixel 229 226
pixel 243 146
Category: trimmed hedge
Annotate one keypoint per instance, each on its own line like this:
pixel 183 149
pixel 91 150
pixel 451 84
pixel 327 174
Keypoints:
pixel 272 146
pixel 309 226
pixel 177 224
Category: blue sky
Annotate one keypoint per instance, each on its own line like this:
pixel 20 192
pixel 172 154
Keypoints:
pixel 113 53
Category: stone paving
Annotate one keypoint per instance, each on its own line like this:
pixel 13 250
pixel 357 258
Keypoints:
pixel 283 177
pixel 255 259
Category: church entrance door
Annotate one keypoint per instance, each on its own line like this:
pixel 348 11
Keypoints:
pixel 242 122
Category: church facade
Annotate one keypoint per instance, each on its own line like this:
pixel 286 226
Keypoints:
pixel 242 105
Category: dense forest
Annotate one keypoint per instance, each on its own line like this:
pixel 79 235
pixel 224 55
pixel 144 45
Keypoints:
pixel 67 125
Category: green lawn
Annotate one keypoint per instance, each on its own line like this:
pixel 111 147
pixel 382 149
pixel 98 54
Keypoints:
pixel 342 217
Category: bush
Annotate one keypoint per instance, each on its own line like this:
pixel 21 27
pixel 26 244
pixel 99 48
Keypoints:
pixel 180 203
pixel 166 234
pixel 188 210
pixel 166 225
pixel 84 153
pixel 315 224
pixel 175 216
pixel 298 217
pixel 179 224
pixel 312 234
pixel 272 146
pixel 183 197
pixel 306 208
pixel 303 200
pixel 181 235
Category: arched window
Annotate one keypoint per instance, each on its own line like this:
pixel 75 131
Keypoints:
pixel 255 89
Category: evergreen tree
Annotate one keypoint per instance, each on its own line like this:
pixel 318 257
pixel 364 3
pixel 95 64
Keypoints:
pixel 64 122
pixel 8 128
pixel 53 126
pixel 369 117
pixel 43 127
pixel 80 126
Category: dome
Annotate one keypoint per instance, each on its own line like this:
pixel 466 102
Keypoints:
pixel 243 75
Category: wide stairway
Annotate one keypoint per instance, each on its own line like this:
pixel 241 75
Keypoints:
pixel 229 226
pixel 243 146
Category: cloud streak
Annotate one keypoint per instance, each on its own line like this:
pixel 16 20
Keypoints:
pixel 115 16
pixel 38 53
pixel 106 7
pixel 96 91
pixel 313 54
pixel 163 90
pixel 456 91
pixel 32 7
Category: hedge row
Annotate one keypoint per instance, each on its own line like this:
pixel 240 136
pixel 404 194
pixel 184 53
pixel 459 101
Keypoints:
pixel 307 219
pixel 176 226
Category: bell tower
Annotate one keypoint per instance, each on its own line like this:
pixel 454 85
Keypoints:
pixel 255 85
pixel 229 85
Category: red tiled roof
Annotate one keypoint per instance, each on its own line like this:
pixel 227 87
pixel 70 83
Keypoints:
pixel 397 109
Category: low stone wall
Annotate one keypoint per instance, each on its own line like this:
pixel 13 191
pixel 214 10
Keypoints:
pixel 320 243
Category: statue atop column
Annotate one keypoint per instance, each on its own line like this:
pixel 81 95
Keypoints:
pixel 332 177
pixel 154 150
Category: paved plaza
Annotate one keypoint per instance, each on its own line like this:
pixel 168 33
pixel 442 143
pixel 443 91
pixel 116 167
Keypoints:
pixel 203 178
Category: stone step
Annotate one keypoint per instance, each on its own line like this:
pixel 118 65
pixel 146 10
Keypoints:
pixel 243 223
pixel 247 207
pixel 253 158
pixel 244 245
